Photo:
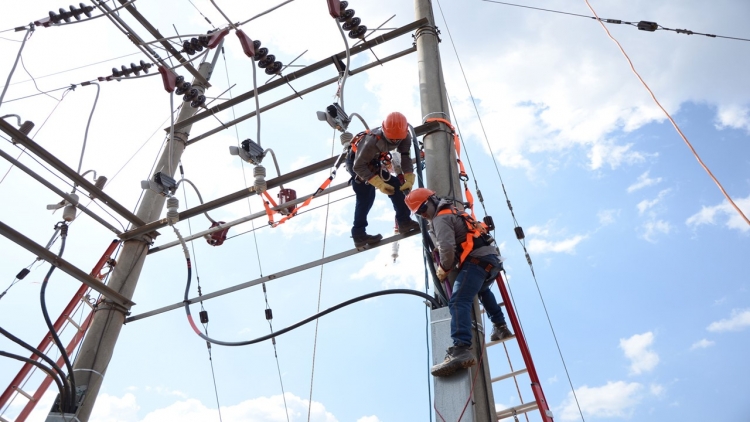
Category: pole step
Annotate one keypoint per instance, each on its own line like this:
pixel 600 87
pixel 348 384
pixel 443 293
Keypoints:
pixel 509 375
pixel 517 410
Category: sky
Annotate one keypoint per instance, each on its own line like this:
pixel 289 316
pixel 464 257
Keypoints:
pixel 640 262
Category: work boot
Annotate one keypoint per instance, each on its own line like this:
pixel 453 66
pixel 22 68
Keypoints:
pixel 362 241
pixel 407 225
pixel 500 332
pixel 456 357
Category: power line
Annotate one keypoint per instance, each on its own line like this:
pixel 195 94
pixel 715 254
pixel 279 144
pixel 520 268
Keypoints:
pixel 76 68
pixel 642 25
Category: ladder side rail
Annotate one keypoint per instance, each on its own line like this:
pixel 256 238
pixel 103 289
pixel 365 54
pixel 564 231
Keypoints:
pixel 74 342
pixel 47 340
pixel 536 386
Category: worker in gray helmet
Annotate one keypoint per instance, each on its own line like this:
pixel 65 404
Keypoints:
pixel 463 247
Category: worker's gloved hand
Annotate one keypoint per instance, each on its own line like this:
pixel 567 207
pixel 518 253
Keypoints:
pixel 441 273
pixel 408 181
pixel 379 183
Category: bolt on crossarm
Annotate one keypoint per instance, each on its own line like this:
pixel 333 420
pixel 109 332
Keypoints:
pixel 98 346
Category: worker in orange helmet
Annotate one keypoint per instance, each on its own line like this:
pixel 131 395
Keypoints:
pixel 367 161
pixel 477 259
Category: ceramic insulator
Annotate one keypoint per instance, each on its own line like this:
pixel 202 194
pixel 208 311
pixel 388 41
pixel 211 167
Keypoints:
pixel 173 216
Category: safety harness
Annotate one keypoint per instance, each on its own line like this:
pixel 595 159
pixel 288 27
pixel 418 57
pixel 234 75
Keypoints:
pixel 477 236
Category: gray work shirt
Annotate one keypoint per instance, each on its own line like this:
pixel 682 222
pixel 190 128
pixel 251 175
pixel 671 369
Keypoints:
pixel 372 145
pixel 448 231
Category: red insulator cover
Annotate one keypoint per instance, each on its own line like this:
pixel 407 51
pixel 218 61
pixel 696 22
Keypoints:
pixel 216 38
pixel 247 43
pixel 286 195
pixel 217 238
pixel 168 78
pixel 334 8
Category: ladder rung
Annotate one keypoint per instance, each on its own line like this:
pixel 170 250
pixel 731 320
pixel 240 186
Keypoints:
pixel 73 323
pixel 492 343
pixel 509 375
pixel 2 419
pixel 520 409
pixel 23 393
pixel 85 300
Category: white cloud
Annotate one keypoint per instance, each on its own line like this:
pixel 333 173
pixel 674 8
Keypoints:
pixel 613 155
pixel 739 320
pixel 565 245
pixel 372 418
pixel 407 271
pixel 645 205
pixel 702 344
pixel 638 349
pixel 115 409
pixel 607 217
pixel 733 116
pixel 653 227
pixel 615 399
pixel 643 181
pixel 709 215
pixel 656 389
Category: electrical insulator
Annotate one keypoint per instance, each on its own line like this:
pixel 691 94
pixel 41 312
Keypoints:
pixel 346 139
pixel 126 71
pixel 519 233
pixel 194 44
pixel 489 222
pixel 394 251
pixel 351 23
pixel 194 97
pixel 23 273
pixel 286 195
pixel 217 238
pixel 259 172
pixel 198 101
pixel 100 182
pixel 173 216
pixel 182 86
pixel 266 61
pixel 69 212
pixel 25 129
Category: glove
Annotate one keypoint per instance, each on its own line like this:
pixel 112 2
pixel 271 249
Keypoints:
pixel 379 183
pixel 441 273
pixel 408 181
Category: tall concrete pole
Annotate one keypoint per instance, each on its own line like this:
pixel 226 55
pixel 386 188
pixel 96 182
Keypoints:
pixel 99 344
pixel 453 392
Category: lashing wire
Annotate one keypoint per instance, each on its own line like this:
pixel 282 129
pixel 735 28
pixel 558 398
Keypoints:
pixel 522 241
pixel 200 293
pixel 320 287
pixel 676 126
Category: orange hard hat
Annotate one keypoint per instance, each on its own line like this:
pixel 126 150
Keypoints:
pixel 417 197
pixel 395 127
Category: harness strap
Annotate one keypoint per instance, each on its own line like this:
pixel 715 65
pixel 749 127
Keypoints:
pixel 468 244
pixel 487 266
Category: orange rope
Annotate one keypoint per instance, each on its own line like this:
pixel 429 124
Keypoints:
pixel 677 128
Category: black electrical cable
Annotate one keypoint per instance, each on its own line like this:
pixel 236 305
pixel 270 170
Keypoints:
pixel 429 298
pixel 619 22
pixel 45 369
pixel 65 382
pixel 55 337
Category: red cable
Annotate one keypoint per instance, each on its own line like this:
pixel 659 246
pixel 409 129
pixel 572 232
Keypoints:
pixel 677 128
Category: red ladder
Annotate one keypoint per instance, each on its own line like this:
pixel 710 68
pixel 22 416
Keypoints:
pixel 79 298
pixel 540 402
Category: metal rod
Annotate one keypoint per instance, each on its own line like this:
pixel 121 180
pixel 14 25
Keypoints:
pixel 304 71
pixel 315 87
pixel 64 265
pixel 56 190
pixel 155 32
pixel 270 277
pixel 245 219
pixel 63 168
pixel 233 197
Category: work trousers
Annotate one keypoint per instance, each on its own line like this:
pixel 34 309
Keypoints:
pixel 365 195
pixel 473 280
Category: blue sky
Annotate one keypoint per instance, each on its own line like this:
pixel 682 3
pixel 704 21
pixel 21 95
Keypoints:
pixel 640 261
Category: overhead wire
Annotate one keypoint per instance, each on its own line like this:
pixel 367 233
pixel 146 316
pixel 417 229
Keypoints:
pixel 676 126
pixel 320 291
pixel 617 21
pixel 510 207
pixel 201 13
pixel 15 63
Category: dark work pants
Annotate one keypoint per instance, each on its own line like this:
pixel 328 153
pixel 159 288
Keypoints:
pixel 365 194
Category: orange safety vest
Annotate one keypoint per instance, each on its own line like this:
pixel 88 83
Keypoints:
pixel 475 230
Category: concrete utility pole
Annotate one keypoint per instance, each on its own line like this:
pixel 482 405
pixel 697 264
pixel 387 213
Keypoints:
pixel 451 393
pixel 99 344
